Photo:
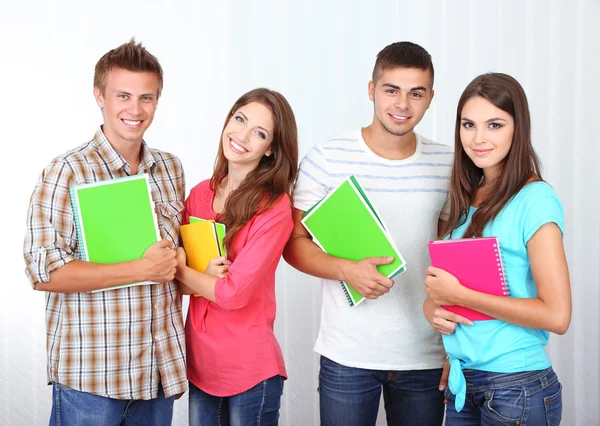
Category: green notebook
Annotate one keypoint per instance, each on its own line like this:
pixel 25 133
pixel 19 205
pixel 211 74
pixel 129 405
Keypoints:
pixel 115 220
pixel 345 224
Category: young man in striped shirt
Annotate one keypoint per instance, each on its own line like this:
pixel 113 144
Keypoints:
pixel 385 342
pixel 118 356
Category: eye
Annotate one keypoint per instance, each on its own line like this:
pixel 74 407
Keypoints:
pixel 468 125
pixel 122 96
pixel 416 95
pixel 239 118
pixel 390 91
pixel 261 135
pixel 147 98
pixel 495 126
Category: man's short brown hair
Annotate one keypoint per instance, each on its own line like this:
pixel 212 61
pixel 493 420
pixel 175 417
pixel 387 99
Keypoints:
pixel 402 54
pixel 130 56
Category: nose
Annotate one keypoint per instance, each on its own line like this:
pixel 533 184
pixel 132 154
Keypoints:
pixel 401 101
pixel 480 136
pixel 135 107
pixel 244 133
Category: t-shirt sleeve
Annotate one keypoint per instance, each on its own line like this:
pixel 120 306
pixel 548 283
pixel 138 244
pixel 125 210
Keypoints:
pixel 546 209
pixel 311 184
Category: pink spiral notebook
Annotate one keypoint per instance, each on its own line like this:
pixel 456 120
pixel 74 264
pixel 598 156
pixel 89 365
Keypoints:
pixel 476 263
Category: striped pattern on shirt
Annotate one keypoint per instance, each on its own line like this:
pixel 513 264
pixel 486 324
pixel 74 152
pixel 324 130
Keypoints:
pixel 327 164
pixel 120 343
pixel 389 333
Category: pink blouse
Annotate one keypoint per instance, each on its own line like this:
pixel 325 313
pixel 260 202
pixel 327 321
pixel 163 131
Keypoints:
pixel 230 344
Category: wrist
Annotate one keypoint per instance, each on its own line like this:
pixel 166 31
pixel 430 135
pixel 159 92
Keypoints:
pixel 181 272
pixel 343 266
pixel 140 269
pixel 461 296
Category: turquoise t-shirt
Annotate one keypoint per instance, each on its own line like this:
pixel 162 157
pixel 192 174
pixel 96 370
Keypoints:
pixel 495 345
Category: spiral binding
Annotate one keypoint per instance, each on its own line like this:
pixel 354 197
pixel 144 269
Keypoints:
pixel 501 271
pixel 347 293
pixel 80 243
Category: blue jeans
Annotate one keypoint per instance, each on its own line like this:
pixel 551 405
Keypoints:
pixel 258 406
pixel 530 398
pixel 71 407
pixel 350 396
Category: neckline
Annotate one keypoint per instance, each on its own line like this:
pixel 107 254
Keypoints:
pixel 524 186
pixel 410 159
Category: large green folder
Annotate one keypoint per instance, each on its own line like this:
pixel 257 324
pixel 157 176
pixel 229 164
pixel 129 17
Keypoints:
pixel 115 219
pixel 345 224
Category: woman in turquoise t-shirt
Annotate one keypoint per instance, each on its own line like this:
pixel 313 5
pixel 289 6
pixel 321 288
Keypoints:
pixel 499 370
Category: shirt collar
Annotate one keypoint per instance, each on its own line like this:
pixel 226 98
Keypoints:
pixel 115 161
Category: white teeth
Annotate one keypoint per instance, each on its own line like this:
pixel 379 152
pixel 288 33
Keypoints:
pixel 399 117
pixel 238 147
pixel 132 123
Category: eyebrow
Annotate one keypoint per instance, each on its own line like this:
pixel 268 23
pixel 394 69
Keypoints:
pixel 487 121
pixel 413 89
pixel 246 118
pixel 124 92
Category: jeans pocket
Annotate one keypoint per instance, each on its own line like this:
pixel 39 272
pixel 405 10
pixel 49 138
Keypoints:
pixel 553 405
pixel 506 404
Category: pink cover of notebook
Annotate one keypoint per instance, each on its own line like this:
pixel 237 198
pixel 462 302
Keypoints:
pixel 476 263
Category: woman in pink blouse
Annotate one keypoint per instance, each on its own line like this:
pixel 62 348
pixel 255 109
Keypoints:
pixel 234 363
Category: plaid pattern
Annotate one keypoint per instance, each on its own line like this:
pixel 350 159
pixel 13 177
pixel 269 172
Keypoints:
pixel 118 343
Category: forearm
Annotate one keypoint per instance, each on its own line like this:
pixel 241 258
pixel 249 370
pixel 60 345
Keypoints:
pixel 196 282
pixel 80 276
pixel 303 254
pixel 530 312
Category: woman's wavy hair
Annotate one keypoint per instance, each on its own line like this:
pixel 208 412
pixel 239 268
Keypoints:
pixel 274 175
pixel 519 166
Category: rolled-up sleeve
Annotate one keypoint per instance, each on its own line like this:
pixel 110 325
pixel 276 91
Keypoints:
pixel 258 258
pixel 50 237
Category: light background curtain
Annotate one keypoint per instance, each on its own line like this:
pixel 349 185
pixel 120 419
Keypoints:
pixel 320 55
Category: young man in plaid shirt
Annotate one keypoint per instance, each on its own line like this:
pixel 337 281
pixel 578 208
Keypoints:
pixel 118 356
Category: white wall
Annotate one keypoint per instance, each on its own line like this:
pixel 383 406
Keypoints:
pixel 319 54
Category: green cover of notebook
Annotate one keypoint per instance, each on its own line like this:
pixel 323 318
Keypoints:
pixel 345 224
pixel 115 220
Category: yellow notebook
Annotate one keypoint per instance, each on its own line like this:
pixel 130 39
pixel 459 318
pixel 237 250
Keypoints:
pixel 203 241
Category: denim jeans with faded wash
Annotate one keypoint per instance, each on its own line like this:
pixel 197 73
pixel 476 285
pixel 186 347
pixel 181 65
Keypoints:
pixel 71 407
pixel 529 398
pixel 350 396
pixel 258 406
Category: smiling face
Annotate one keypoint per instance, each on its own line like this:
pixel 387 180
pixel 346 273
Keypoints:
pixel 248 136
pixel 400 97
pixel 128 103
pixel 486 134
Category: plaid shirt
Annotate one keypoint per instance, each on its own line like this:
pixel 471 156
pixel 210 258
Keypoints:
pixel 120 343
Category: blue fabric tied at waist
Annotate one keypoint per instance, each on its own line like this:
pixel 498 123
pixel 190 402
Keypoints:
pixel 457 383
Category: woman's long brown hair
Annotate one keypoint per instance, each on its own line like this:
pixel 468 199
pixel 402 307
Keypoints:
pixel 519 166
pixel 274 174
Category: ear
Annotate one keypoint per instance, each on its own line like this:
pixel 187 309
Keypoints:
pixel 269 151
pixel 431 98
pixel 99 97
pixel 371 91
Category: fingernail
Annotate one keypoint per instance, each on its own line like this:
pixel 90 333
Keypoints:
pixel 441 388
